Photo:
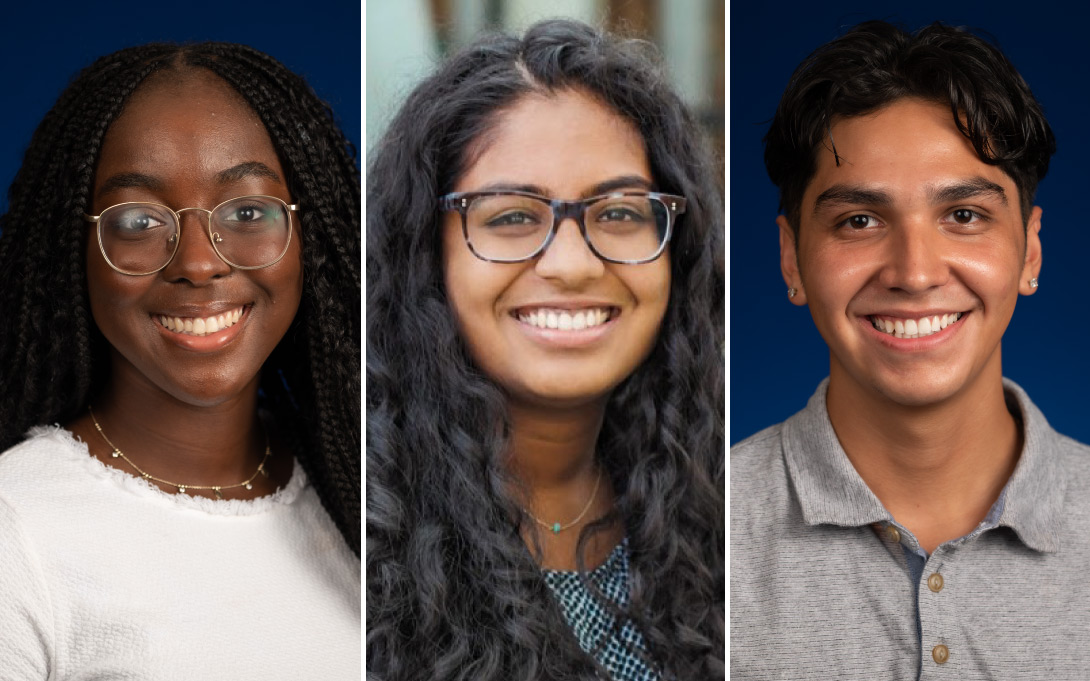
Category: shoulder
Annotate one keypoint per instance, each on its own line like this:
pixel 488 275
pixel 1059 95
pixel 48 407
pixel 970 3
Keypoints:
pixel 753 459
pixel 42 458
pixel 1074 459
pixel 761 497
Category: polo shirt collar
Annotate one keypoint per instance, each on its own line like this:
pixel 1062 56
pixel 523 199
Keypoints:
pixel 830 491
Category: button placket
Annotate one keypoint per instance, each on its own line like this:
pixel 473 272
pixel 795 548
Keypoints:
pixel 938 614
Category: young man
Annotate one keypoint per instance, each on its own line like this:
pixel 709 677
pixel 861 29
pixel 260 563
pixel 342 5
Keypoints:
pixel 919 518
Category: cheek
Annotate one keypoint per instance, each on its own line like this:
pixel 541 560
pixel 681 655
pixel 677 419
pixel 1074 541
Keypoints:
pixel 992 274
pixel 649 285
pixel 109 293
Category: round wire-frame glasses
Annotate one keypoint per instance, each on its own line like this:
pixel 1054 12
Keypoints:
pixel 671 206
pixel 174 239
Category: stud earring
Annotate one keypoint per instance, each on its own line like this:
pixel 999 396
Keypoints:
pixel 791 292
pixel 1033 282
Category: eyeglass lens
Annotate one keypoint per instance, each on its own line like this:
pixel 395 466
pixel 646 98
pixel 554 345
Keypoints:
pixel 250 231
pixel 513 227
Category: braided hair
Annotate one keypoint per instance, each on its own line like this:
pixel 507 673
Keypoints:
pixel 452 590
pixel 52 356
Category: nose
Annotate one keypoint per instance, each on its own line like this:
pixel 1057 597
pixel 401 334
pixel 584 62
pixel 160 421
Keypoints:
pixel 914 259
pixel 568 259
pixel 195 261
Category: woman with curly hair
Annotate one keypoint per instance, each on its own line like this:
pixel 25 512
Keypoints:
pixel 545 371
pixel 180 264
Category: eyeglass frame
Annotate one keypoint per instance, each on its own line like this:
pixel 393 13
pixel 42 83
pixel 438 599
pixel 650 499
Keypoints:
pixel 562 210
pixel 212 236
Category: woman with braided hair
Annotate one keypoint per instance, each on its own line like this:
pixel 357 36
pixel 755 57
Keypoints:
pixel 179 378
pixel 545 372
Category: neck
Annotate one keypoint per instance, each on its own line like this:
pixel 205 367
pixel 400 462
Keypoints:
pixel 551 448
pixel 937 468
pixel 552 455
pixel 176 440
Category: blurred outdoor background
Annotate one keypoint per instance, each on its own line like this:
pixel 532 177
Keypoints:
pixel 405 39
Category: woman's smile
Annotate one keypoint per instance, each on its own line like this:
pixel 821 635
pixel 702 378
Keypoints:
pixel 203 333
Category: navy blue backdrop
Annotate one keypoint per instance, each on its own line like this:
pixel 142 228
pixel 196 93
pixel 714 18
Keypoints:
pixel 777 357
pixel 45 44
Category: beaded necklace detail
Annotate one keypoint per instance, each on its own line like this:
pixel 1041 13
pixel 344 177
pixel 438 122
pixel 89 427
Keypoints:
pixel 557 527
pixel 216 489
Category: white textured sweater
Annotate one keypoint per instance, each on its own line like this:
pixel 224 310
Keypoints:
pixel 104 577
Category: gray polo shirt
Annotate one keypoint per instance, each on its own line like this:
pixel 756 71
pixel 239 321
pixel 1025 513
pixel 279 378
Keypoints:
pixel 825 584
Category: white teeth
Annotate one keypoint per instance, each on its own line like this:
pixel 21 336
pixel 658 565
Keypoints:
pixel 915 328
pixel 202 326
pixel 565 320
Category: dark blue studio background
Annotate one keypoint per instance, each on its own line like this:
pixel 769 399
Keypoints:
pixel 45 44
pixel 777 357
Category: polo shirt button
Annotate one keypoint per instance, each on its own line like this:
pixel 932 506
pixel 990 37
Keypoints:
pixel 934 582
pixel 894 534
pixel 940 653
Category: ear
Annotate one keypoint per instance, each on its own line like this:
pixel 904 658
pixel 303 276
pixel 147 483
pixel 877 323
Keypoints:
pixel 1031 269
pixel 789 261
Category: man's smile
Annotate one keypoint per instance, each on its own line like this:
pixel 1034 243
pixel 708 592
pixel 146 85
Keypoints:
pixel 918 327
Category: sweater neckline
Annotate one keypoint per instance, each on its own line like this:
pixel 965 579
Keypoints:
pixel 79 453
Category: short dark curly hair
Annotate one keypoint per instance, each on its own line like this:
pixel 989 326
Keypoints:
pixel 877 63
pixel 52 356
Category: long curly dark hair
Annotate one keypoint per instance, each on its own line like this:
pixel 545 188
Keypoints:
pixel 452 590
pixel 52 356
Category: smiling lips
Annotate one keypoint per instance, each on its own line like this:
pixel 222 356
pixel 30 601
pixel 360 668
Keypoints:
pixel 202 326
pixel 914 328
pixel 565 320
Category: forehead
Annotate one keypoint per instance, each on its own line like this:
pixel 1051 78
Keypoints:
pixel 190 123
pixel 907 150
pixel 560 142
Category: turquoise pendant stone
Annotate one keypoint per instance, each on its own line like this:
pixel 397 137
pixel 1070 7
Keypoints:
pixel 556 528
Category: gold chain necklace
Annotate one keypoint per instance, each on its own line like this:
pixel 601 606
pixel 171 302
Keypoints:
pixel 247 483
pixel 557 527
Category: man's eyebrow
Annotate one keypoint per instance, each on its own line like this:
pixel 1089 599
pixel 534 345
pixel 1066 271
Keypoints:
pixel 244 170
pixel 967 189
pixel 126 180
pixel 851 194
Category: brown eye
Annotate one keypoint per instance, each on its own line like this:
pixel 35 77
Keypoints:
pixel 860 221
pixel 963 216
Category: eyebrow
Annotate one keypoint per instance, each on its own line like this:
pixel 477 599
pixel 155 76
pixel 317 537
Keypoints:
pixel 152 183
pixel 954 191
pixel 244 170
pixel 851 194
pixel 126 180
pixel 610 185
pixel 967 189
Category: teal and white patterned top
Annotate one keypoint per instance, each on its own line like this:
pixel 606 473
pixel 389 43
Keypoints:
pixel 591 622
